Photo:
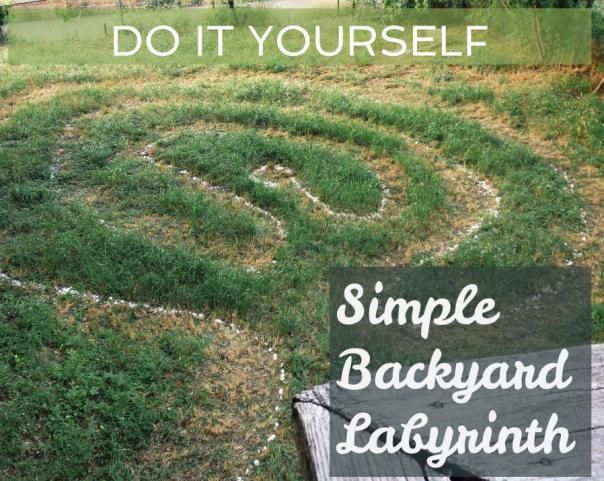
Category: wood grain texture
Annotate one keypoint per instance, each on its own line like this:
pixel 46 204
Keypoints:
pixel 311 415
pixel 312 421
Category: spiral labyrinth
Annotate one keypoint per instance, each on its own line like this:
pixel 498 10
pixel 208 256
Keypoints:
pixel 237 205
pixel 229 201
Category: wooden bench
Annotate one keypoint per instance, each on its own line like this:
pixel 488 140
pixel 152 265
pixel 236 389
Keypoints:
pixel 311 415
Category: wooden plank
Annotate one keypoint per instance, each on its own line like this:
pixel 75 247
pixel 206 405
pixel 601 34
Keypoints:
pixel 311 413
pixel 597 423
pixel 597 463
pixel 311 416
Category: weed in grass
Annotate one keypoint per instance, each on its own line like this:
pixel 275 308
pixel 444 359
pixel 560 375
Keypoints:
pixel 463 94
pixel 277 92
pixel 512 104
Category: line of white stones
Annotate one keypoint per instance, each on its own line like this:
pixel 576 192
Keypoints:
pixel 475 228
pixel 485 189
pixel 161 310
pixel 100 300
pixel 259 210
pixel 483 185
pixel 204 184
pixel 256 176
pixel 277 408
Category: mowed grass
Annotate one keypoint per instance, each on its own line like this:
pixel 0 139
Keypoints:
pixel 79 405
pixel 535 196
pixel 565 108
pixel 341 181
pixel 50 234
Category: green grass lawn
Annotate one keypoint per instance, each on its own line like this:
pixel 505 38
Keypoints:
pixel 172 187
